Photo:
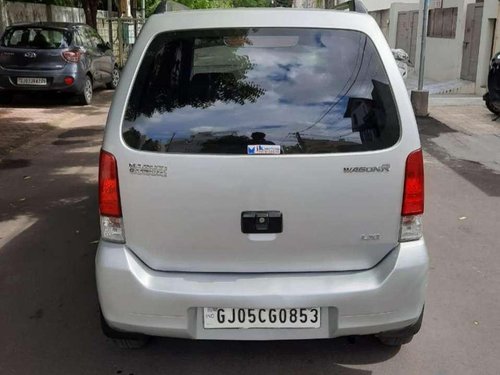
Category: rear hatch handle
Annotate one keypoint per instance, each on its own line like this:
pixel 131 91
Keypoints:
pixel 261 222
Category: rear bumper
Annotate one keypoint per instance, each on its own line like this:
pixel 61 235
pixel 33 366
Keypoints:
pixel 135 298
pixel 55 80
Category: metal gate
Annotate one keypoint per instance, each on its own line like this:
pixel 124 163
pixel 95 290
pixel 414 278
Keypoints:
pixel 406 37
pixel 472 38
pixel 121 33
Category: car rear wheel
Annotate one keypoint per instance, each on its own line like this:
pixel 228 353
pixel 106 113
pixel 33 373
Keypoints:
pixel 402 336
pixel 6 97
pixel 115 79
pixel 124 340
pixel 85 96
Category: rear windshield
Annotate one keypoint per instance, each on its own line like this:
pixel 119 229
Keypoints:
pixel 261 91
pixel 36 38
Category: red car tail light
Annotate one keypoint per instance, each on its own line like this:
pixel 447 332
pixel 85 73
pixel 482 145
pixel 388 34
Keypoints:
pixel 413 198
pixel 109 192
pixel 109 199
pixel 69 80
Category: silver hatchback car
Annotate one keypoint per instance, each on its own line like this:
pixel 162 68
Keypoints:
pixel 261 178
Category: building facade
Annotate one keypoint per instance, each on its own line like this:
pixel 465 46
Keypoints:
pixel 461 37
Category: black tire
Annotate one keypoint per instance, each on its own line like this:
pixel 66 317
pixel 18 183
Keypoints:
pixel 402 336
pixel 494 107
pixel 124 340
pixel 6 97
pixel 85 96
pixel 115 79
pixel 395 341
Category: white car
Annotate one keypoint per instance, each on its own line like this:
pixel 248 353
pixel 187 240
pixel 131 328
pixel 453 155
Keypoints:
pixel 261 178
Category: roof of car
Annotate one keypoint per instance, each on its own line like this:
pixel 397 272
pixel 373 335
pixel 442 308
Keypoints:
pixel 259 17
pixel 58 25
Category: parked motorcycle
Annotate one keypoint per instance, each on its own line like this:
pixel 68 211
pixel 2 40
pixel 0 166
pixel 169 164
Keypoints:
pixel 492 97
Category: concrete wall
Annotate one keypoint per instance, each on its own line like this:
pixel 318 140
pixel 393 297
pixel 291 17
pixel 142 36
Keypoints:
pixel 393 20
pixel 496 41
pixel 29 12
pixel 382 17
pixel 374 5
pixel 443 55
pixel 25 12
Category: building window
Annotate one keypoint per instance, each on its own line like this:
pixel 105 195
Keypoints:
pixel 442 23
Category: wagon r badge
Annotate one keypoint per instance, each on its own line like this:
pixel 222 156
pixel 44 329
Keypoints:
pixel 382 168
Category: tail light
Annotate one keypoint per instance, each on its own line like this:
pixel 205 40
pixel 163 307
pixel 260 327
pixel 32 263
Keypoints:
pixel 413 198
pixel 69 80
pixel 109 199
pixel 71 56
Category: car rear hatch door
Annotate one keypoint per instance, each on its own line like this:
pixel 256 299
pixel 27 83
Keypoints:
pixel 190 219
pixel 271 121
pixel 34 48
pixel 30 59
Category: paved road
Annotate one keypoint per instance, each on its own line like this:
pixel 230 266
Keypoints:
pixel 48 232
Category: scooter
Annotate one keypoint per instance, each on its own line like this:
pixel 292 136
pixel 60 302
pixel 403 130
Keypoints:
pixel 492 97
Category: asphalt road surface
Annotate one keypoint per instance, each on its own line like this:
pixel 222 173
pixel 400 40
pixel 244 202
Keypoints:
pixel 49 322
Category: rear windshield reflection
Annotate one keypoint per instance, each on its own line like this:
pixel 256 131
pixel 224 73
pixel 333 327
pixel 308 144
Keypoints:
pixel 221 91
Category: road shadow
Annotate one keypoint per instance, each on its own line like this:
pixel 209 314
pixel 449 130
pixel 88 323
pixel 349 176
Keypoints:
pixel 65 102
pixel 49 308
pixel 17 131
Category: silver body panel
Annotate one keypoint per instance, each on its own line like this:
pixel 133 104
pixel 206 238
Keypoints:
pixel 135 298
pixel 185 249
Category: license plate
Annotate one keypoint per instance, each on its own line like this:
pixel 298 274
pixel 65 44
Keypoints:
pixel 217 318
pixel 32 81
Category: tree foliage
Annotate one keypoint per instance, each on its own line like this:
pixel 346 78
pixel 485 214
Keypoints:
pixel 283 3
pixel 206 4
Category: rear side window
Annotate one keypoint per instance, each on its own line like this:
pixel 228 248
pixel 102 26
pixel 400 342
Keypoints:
pixel 283 91
pixel 36 38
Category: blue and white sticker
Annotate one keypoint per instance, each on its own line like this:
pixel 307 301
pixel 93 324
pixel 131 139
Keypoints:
pixel 264 150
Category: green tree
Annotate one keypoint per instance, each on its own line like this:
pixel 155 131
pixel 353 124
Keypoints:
pixel 283 3
pixel 251 3
pixel 205 4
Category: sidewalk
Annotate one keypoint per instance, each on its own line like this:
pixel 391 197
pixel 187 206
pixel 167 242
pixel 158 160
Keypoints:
pixel 457 86
pixel 467 115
